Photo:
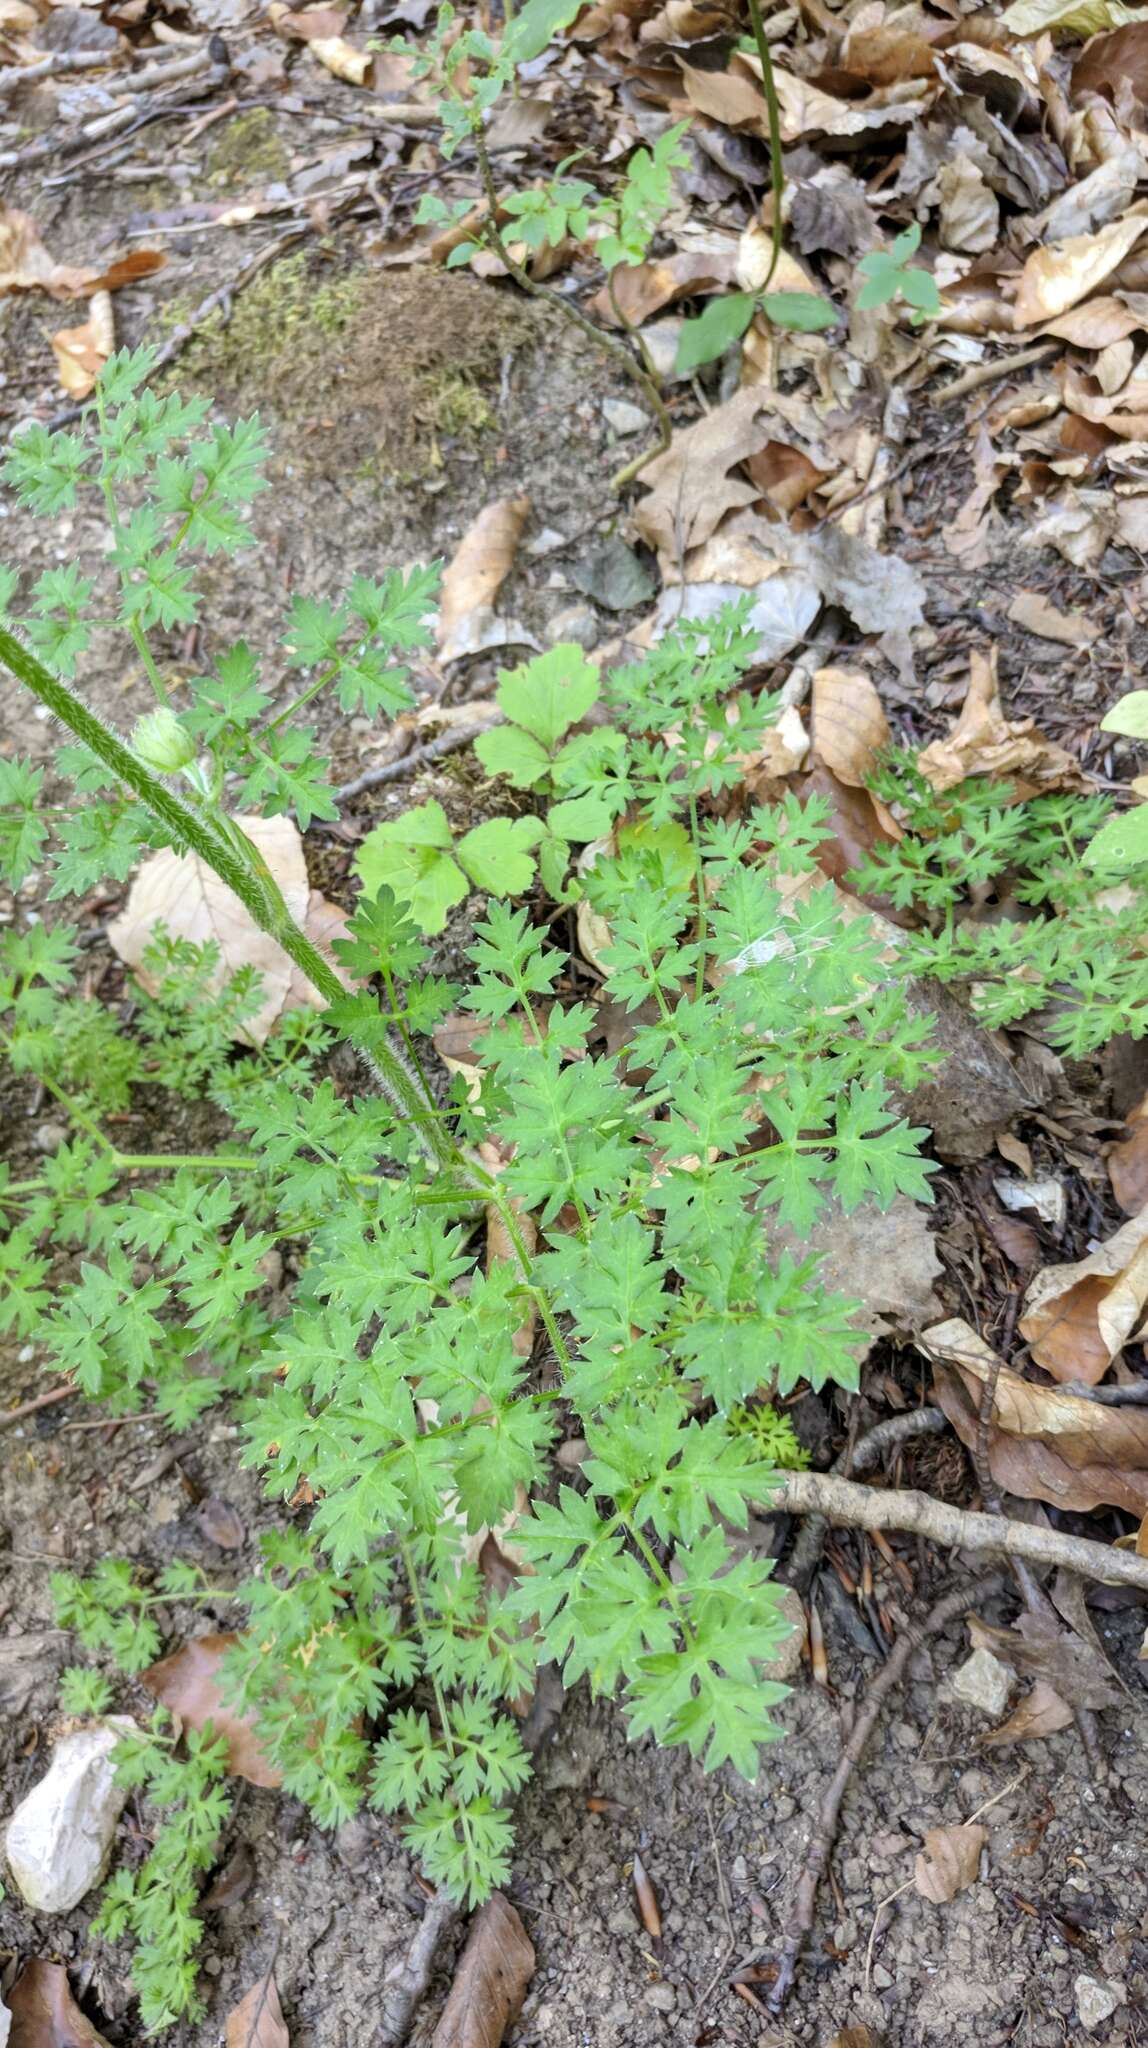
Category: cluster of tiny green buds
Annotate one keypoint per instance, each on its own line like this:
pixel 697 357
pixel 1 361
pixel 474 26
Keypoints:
pixel 162 742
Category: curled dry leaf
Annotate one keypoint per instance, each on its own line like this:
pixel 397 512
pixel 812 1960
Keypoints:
pixel 1041 1648
pixel 81 352
pixel 321 28
pixel 43 2013
pixel 1044 1444
pixel 647 1897
pixel 1077 1317
pixel 472 581
pixel 1060 274
pixel 849 727
pixel 643 288
pixel 221 1522
pixel 985 742
pixel 490 1982
pixel 187 1683
pixel 951 1861
pixel 1038 615
pixel 183 894
pixel 25 265
pixel 697 481
pixel 257 2021
pixel 1128 1169
pixel 1041 1712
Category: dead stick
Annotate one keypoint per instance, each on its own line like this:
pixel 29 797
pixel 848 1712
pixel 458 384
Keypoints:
pixel 889 1676
pixel 886 1436
pixel 871 1507
pixel 409 764
pixel 406 1985
pixel 48 1400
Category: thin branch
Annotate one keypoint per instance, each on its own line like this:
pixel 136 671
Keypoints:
pixel 776 163
pixel 409 764
pixel 866 1453
pixel 10 1415
pixel 406 1984
pixel 871 1507
pixel 800 1922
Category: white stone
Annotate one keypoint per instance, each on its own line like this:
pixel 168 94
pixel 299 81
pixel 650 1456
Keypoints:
pixel 983 1681
pixel 623 417
pixel 1097 2000
pixel 59 1840
pixel 576 622
pixel 5 2025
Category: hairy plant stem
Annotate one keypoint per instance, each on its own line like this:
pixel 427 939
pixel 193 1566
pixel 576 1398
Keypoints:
pixel 249 880
pixel 776 164
pixel 617 350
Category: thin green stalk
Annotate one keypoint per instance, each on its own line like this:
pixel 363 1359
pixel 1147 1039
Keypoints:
pixel 776 165
pixel 258 899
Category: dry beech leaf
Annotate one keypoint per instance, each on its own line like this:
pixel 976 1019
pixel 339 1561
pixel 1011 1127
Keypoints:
pixel 1044 1444
pixel 643 288
pixel 970 210
pixel 951 1861
pixel 1097 324
pixel 183 894
pixel 784 749
pixel 1041 1712
pixel 16 17
pixel 257 2021
pixel 81 352
pixel 187 1683
pixel 849 729
pixel 985 742
pixel 1038 615
pixel 221 1522
pixel 1127 1165
pixel 481 564
pixel 696 482
pixel 1077 1317
pixel 25 265
pixel 1116 63
pixel 321 28
pixel 647 1897
pixel 1060 274
pixel 1041 1648
pixel 43 2012
pixel 490 1981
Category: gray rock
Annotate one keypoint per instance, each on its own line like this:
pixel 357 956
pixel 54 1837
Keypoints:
pixel 1097 2000
pixel 576 622
pixel 49 1137
pixel 74 28
pixel 983 1681
pixel 613 575
pixel 623 418
pixel 662 1997
pixel 59 1840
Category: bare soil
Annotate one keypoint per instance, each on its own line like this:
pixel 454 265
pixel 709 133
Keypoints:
pixel 372 466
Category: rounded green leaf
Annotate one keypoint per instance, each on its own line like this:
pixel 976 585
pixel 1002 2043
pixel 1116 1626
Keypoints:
pixel 507 750
pixel 1121 843
pixel 1129 716
pixel 803 312
pixel 548 695
pixel 581 818
pixel 723 321
pixel 497 855
pixel 411 855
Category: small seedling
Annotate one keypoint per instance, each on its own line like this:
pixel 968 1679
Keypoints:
pixel 889 276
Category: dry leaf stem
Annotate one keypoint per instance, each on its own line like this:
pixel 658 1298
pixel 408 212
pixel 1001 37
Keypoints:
pixel 569 311
pixel 870 1507
pixel 890 1675
pixel 407 1983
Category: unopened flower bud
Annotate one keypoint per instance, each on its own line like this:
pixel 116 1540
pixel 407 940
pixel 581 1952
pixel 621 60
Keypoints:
pixel 162 743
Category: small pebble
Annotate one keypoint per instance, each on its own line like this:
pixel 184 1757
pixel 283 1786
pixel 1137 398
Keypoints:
pixel 662 1997
pixel 623 418
pixel 49 1137
pixel 983 1681
pixel 1097 2000
pixel 575 622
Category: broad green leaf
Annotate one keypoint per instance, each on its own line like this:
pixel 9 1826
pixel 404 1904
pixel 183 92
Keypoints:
pixel 1122 843
pixel 549 694
pixel 411 855
pixel 1129 716
pixel 581 818
pixel 535 25
pixel 723 321
pixel 497 855
pixel 671 842
pixel 803 312
pixel 508 750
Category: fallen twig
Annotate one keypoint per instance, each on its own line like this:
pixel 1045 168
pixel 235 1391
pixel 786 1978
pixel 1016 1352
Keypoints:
pixel 890 1675
pixel 860 1458
pixel 407 1982
pixel 871 1507
pixel 51 67
pixel 994 372
pixel 409 764
pixel 10 1415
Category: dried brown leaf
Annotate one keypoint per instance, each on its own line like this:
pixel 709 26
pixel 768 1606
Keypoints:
pixel 970 210
pixel 481 564
pixel 1128 1171
pixel 43 2012
pixel 257 2021
pixel 490 1981
pixel 985 742
pixel 1041 1712
pixel 643 288
pixel 1116 64
pixel 951 1861
pixel 1044 1444
pixel 187 897
pixel 1060 274
pixel 849 728
pixel 1077 1317
pixel 26 266
pixel 1097 323
pixel 1041 1648
pixel 187 1683
pixel 1018 1241
pixel 221 1522
pixel 81 352
pixel 647 1897
pixel 231 1882
pixel 1037 614
pixel 697 481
